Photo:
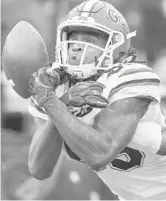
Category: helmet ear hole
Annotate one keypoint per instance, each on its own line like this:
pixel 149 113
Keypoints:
pixel 120 57
pixel 121 54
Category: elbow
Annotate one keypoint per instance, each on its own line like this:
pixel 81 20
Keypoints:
pixel 97 167
pixel 98 164
pixel 37 171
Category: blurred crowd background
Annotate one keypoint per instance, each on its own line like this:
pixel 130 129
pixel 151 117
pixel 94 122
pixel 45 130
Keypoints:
pixel 74 181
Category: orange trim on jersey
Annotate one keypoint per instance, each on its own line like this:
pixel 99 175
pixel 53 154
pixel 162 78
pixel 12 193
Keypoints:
pixel 133 71
pixel 135 83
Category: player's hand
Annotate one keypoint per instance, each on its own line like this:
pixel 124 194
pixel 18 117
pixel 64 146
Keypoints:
pixel 85 93
pixel 43 83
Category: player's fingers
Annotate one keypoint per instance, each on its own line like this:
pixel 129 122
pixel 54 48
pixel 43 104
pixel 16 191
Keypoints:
pixel 54 82
pixel 89 91
pixel 31 91
pixel 78 101
pixel 53 75
pixel 31 81
pixel 95 89
pixel 87 86
pixel 97 101
pixel 89 83
pixel 94 83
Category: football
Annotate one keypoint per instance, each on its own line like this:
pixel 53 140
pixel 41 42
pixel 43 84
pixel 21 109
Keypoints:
pixel 24 52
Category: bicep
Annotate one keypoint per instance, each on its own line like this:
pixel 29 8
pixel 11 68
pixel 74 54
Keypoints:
pixel 119 122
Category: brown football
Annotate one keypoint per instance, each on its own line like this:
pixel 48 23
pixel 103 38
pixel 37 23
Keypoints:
pixel 24 52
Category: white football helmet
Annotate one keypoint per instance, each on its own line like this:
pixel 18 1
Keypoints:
pixel 92 16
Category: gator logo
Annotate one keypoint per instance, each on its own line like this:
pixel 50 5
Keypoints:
pixel 117 18
pixel 80 111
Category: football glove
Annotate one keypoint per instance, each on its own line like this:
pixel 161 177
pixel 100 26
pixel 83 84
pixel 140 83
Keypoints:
pixel 42 84
pixel 85 94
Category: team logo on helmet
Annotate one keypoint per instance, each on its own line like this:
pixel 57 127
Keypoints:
pixel 116 17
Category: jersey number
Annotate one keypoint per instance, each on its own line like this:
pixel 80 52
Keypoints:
pixel 128 159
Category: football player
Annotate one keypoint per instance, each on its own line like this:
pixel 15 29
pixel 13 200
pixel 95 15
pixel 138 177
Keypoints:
pixel 101 105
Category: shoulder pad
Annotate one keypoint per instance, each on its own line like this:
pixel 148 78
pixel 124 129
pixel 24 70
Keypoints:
pixel 133 80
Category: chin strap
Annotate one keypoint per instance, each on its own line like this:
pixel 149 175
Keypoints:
pixel 131 56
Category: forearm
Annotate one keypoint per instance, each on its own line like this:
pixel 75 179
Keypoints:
pixel 111 132
pixel 44 151
pixel 88 143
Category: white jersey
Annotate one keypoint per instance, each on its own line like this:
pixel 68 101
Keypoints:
pixel 137 172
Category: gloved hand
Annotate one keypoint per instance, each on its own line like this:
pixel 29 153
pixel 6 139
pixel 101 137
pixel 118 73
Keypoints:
pixel 43 83
pixel 85 93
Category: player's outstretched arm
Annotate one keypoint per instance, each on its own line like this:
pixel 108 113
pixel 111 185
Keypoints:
pixel 113 129
pixel 44 150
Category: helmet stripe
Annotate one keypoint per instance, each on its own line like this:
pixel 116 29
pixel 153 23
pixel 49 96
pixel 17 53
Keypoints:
pixel 91 12
pixel 81 8
pixel 88 8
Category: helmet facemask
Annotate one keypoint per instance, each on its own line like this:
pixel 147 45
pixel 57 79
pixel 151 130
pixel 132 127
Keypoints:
pixel 84 70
